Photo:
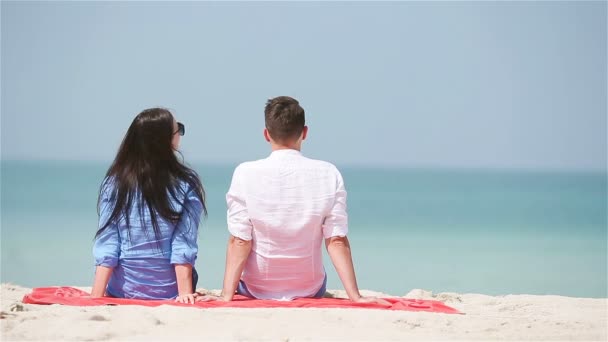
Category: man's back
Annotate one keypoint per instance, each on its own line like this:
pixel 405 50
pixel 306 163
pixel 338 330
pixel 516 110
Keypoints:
pixel 279 211
pixel 287 204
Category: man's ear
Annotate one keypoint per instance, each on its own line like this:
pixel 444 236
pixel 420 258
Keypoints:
pixel 266 135
pixel 304 132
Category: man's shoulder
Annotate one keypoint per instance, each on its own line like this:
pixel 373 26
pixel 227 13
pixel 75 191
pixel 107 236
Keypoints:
pixel 321 164
pixel 255 166
pixel 251 164
pixel 248 166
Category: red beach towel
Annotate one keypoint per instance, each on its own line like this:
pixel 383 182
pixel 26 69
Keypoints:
pixel 75 297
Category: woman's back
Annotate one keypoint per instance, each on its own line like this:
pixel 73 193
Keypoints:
pixel 150 205
pixel 143 263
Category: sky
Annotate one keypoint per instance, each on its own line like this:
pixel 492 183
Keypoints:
pixel 437 84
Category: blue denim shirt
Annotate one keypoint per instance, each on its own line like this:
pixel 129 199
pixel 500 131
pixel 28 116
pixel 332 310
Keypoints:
pixel 141 269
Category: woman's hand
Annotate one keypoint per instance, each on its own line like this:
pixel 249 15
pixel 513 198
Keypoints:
pixel 373 300
pixel 211 297
pixel 186 298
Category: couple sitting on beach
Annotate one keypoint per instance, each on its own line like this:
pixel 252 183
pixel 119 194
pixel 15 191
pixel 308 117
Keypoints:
pixel 280 210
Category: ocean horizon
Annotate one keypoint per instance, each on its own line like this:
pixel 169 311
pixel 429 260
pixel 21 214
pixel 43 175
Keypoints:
pixel 487 231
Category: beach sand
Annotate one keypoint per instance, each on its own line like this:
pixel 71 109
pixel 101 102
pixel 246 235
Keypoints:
pixel 511 317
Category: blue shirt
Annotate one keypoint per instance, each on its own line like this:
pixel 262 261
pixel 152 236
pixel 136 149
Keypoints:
pixel 141 269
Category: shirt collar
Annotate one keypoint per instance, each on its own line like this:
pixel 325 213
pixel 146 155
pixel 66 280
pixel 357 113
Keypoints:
pixel 285 152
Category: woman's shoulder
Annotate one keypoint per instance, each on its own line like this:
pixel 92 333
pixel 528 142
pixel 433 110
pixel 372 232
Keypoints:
pixel 108 186
pixel 184 191
pixel 108 181
pixel 182 186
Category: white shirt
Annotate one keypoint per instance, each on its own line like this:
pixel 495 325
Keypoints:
pixel 287 204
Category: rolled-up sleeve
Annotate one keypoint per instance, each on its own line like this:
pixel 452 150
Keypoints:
pixel 336 222
pixel 239 224
pixel 184 245
pixel 106 249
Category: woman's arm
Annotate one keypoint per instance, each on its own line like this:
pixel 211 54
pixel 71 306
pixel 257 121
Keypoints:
pixel 106 250
pixel 102 276
pixel 184 247
pixel 183 273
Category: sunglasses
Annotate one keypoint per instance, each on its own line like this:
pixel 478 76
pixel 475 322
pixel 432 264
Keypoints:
pixel 181 129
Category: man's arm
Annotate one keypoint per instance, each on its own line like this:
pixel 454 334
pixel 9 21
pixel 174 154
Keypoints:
pixel 335 228
pixel 240 228
pixel 236 256
pixel 338 249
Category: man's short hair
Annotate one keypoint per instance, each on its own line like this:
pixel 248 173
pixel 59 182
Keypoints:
pixel 284 118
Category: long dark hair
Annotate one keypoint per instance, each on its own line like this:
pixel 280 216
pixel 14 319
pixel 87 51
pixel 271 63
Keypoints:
pixel 146 172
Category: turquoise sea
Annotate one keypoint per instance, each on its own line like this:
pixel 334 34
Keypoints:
pixel 468 231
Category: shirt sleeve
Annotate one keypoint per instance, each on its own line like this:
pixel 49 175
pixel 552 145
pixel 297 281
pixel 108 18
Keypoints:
pixel 336 222
pixel 106 249
pixel 239 224
pixel 184 245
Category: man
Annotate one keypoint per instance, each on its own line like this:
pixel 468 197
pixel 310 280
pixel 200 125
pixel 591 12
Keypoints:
pixel 280 210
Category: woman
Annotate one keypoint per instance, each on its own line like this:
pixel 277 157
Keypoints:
pixel 150 205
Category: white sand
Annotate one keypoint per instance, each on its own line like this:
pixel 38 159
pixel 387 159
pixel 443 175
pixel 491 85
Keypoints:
pixel 512 317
